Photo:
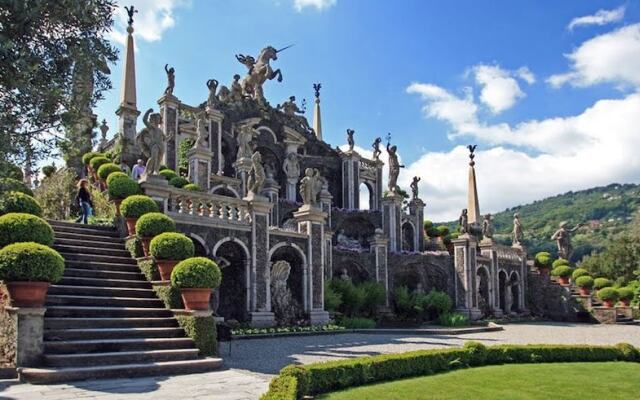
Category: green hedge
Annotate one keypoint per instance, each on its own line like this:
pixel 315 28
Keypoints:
pixel 578 272
pixel 154 223
pixel 600 283
pixel 171 246
pixel 86 158
pixel 14 185
pixel 196 272
pixel 17 202
pixel 19 227
pixel 97 161
pixel 121 186
pixel 138 205
pixel 149 269
pixel 559 262
pixel 191 186
pixel 31 262
pixel 134 246
pixel 625 293
pixel 178 182
pixel 203 332
pixel 294 382
pixel 168 174
pixel 608 293
pixel 542 260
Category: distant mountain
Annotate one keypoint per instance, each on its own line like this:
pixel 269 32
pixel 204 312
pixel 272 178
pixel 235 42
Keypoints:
pixel 605 211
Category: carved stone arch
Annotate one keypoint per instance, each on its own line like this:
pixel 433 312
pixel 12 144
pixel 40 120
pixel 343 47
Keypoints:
pixel 357 272
pixel 265 128
pixel 408 235
pixel 299 274
pixel 199 242
pixel 234 293
pixel 516 288
pixel 483 289
pixel 224 190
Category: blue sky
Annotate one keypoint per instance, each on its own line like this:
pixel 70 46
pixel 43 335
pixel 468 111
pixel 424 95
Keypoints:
pixel 538 85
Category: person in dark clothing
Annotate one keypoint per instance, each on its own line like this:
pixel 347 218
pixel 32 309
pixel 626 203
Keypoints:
pixel 83 199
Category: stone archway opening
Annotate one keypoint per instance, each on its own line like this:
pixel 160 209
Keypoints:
pixel 352 271
pixel 502 290
pixel 295 282
pixel 515 292
pixel 366 198
pixel 232 293
pixel 482 295
pixel 354 232
pixel 408 236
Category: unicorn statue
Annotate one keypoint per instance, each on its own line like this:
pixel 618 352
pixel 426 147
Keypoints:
pixel 259 71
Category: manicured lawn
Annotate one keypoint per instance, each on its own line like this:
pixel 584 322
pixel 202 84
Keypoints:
pixel 560 381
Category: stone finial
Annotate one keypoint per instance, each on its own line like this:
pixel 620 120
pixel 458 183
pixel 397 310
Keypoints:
pixel 317 119
pixel 316 88
pixel 472 148
pixel 130 11
pixel 104 128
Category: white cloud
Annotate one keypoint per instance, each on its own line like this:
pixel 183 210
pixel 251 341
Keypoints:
pixel 153 18
pixel 443 105
pixel 499 88
pixel 319 5
pixel 613 57
pixel 526 75
pixel 601 17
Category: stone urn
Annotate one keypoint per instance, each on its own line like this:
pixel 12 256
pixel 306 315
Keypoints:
pixel 196 298
pixel 27 294
pixel 165 268
pixel 131 223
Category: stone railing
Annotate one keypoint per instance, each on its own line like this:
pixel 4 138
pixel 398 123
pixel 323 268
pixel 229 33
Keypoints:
pixel 508 254
pixel 215 208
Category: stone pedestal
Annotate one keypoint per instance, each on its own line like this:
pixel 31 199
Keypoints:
pixel 271 190
pixel 169 105
pixel 392 220
pixel 464 254
pixel 378 246
pixel 200 167
pixel 156 187
pixel 311 221
pixel 351 180
pixel 416 213
pixel 29 335
pixel 243 167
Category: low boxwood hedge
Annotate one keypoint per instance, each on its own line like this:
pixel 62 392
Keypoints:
pixel 137 205
pixel 19 227
pixel 171 246
pixel 115 176
pixel 295 381
pixel 106 169
pixel 154 223
pixel 600 283
pixel 178 182
pixel 196 272
pixel 121 186
pixel 16 202
pixel 97 161
pixel 30 262
pixel 578 272
pixel 14 185
pixel 168 174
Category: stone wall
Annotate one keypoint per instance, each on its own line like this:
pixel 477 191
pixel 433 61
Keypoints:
pixel 553 301
pixel 434 271
pixel 7 332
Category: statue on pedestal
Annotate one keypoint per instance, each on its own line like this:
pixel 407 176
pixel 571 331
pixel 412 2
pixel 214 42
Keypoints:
pixel 346 241
pixel 487 227
pixel 291 167
pixel 236 89
pixel 310 186
pixel 463 222
pixel 212 100
pixel 151 140
pixel 518 235
pixel 256 175
pixel 203 136
pixel 350 140
pixel 376 148
pixel 344 275
pixel 171 79
pixel 563 239
pixel 291 110
pixel 394 167
pixel 259 71
pixel 414 187
pixel 283 303
pixel 245 136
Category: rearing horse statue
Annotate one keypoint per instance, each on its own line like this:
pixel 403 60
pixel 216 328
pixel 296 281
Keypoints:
pixel 259 71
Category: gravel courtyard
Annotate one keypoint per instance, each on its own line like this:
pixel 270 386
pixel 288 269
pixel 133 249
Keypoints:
pixel 252 363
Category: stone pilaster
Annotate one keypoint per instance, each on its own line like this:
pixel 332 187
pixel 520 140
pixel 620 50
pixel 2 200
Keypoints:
pixel 351 180
pixel 158 189
pixel 200 167
pixel 392 220
pixel 326 200
pixel 215 139
pixel 465 276
pixel 29 335
pixel 378 246
pixel 169 106
pixel 242 168
pixel 488 249
pixel 311 221
pixel 261 314
pixel 271 191
pixel 416 213
pixel 378 189
pixel 328 251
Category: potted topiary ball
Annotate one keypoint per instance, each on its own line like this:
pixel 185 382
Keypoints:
pixel 578 272
pixel 19 227
pixel 196 277
pixel 120 186
pixel 16 202
pixel 178 182
pixel 600 283
pixel 28 269
pixel 151 225
pixel 14 185
pixel 168 249
pixel 105 170
pixel 192 187
pixel 543 262
pixel 584 283
pixel 134 207
pixel 609 296
pixel 625 295
pixel 95 163
pixel 562 272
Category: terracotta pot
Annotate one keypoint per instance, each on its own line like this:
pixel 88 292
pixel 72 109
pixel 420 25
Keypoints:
pixel 196 298
pixel 625 303
pixel 563 280
pixel 27 294
pixel 145 245
pixel 609 303
pixel 131 225
pixel 584 291
pixel 165 267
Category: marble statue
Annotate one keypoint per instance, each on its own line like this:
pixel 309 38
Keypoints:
pixel 463 222
pixel 256 175
pixel 282 302
pixel 171 79
pixel 563 239
pixel 202 137
pixel 487 227
pixel 291 167
pixel 224 95
pixel 236 89
pixel 419 289
pixel 310 186
pixel 212 100
pixel 151 140
pixel 350 140
pixel 344 275
pixel 394 167
pixel 290 107
pixel 245 136
pixel 414 187
pixel 376 148
pixel 346 241
pixel 517 235
pixel 259 71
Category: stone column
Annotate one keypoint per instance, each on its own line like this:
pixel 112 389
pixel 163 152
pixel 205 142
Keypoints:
pixel 261 314
pixel 392 220
pixel 271 191
pixel 215 139
pixel 487 249
pixel 465 276
pixel 378 246
pixel 328 251
pixel 169 106
pixel 351 180
pixel 378 189
pixel 311 221
pixel 29 335
pixel 200 167
pixel 416 212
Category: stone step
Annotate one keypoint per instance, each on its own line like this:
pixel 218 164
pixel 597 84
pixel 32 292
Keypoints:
pixel 112 345
pixel 112 333
pixel 97 323
pixel 136 302
pixel 106 312
pixel 90 238
pixel 82 241
pixel 87 232
pixel 53 375
pixel 76 290
pixel 121 357
pixel 55 223
pixel 98 259
pixel 87 277
pixel 101 266
pixel 87 250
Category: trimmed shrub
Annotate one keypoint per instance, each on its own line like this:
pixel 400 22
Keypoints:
pixel 374 295
pixel 477 352
pixel 358 323
pixel 433 232
pixel 191 186
pixel 16 202
pixel 559 262
pixel 352 298
pixel 600 283
pixel 97 161
pixel 137 205
pixel 121 186
pixel 427 225
pixel 453 319
pixel 31 262
pixel 171 246
pixel 438 302
pixel 578 272
pixel 106 169
pixel 153 224
pixel 628 352
pixel 86 158
pixel 332 299
pixel 14 185
pixel 563 271
pixel 178 182
pixel 543 260
pixel 203 332
pixel 168 174
pixel 196 272
pixel 584 281
pixel 443 230
pixel 48 170
pixel 625 293
pixel 608 293
pixel 19 227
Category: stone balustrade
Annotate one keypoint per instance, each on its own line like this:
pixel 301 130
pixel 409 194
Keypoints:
pixel 220 209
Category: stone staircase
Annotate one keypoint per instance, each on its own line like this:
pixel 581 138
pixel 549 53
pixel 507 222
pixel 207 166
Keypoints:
pixel 103 319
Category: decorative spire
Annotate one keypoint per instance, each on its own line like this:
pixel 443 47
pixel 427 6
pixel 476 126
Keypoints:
pixel 128 93
pixel 317 123
pixel 473 207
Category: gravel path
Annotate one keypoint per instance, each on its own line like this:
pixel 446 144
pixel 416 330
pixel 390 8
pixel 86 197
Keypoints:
pixel 252 363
